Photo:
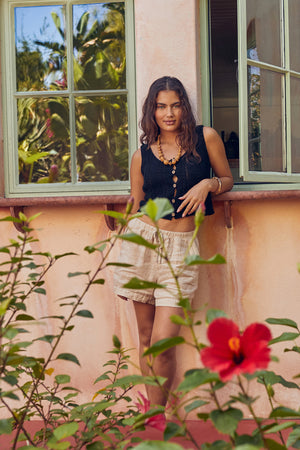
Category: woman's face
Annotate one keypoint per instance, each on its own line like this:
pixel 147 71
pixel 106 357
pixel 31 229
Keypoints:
pixel 168 111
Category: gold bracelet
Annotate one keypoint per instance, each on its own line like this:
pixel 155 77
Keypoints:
pixel 219 185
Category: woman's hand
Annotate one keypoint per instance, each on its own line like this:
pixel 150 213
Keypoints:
pixel 196 196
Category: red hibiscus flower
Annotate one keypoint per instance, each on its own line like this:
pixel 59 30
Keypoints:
pixel 232 352
pixel 158 421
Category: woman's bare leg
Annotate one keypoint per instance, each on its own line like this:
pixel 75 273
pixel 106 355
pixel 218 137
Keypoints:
pixel 145 318
pixel 154 324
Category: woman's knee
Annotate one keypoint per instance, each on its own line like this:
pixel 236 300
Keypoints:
pixel 145 334
pixel 166 361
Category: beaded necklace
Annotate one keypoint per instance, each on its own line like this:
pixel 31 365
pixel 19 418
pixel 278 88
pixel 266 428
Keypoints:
pixel 171 162
pixel 161 156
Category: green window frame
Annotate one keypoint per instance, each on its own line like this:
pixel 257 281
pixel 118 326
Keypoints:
pixel 279 74
pixel 74 100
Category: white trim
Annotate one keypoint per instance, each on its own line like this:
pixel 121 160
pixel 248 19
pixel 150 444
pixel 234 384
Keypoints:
pixel 242 87
pixel 244 63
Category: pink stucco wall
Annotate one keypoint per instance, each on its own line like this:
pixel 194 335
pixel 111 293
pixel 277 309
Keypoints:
pixel 260 278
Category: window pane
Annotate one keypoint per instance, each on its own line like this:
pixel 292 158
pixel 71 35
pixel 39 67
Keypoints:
pixel 265 120
pixel 294 26
pixel 99 46
pixel 295 118
pixel 102 138
pixel 40 49
pixel 43 140
pixel 263 31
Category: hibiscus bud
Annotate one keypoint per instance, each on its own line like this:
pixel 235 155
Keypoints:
pixel 53 173
pixel 129 205
pixel 200 214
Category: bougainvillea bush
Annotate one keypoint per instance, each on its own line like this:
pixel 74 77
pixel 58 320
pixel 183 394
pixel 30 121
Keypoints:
pixel 119 409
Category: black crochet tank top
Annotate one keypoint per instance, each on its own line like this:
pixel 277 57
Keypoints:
pixel 159 178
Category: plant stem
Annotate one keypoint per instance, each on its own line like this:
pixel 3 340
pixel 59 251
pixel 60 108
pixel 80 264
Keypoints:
pixel 256 419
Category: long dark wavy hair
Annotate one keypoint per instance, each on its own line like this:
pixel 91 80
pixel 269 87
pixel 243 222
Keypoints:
pixel 187 136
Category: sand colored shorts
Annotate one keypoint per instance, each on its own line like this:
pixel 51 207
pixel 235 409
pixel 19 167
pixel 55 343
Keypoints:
pixel 149 266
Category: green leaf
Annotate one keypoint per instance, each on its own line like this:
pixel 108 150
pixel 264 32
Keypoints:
pixel 24 317
pixel 269 377
pixel 116 342
pixel 284 337
pixel 22 216
pixel 3 306
pixel 254 441
pixel 76 274
pixel 65 254
pixel 195 378
pixel 281 426
pixel 11 219
pixel 5 426
pixel 213 314
pixel 185 303
pixel 157 445
pixel 293 437
pixel 295 349
pixel 203 416
pixel 65 430
pixel 62 379
pixel 47 338
pixel 134 380
pixel 173 430
pixel 136 239
pixel 10 379
pixel 157 209
pixel 286 322
pixel 102 377
pixel 40 291
pixel 4 250
pixel 84 313
pixel 178 320
pixel 192 260
pixel 247 447
pixel 195 405
pixel 282 411
pixel 27 447
pixel 30 219
pixel 54 445
pixel 226 421
pixel 136 283
pixel 68 357
pixel 98 281
pixel 164 344
pixel 34 157
pixel 273 445
pixel 119 264
pixel 9 394
pixel 114 214
pixel 217 445
pixel 95 446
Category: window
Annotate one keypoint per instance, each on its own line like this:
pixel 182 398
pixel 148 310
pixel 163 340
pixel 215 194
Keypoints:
pixel 255 85
pixel 69 96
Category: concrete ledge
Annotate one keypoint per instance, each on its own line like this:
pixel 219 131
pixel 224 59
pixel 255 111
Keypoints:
pixel 122 199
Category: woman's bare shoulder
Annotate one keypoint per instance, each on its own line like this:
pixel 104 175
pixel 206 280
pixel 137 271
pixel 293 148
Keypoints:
pixel 210 133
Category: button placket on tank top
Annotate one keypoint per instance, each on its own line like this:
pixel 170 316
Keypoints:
pixel 175 179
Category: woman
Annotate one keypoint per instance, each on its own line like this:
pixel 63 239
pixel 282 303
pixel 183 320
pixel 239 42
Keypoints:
pixel 174 161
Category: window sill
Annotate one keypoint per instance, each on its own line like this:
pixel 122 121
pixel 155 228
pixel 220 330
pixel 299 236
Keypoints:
pixel 108 201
